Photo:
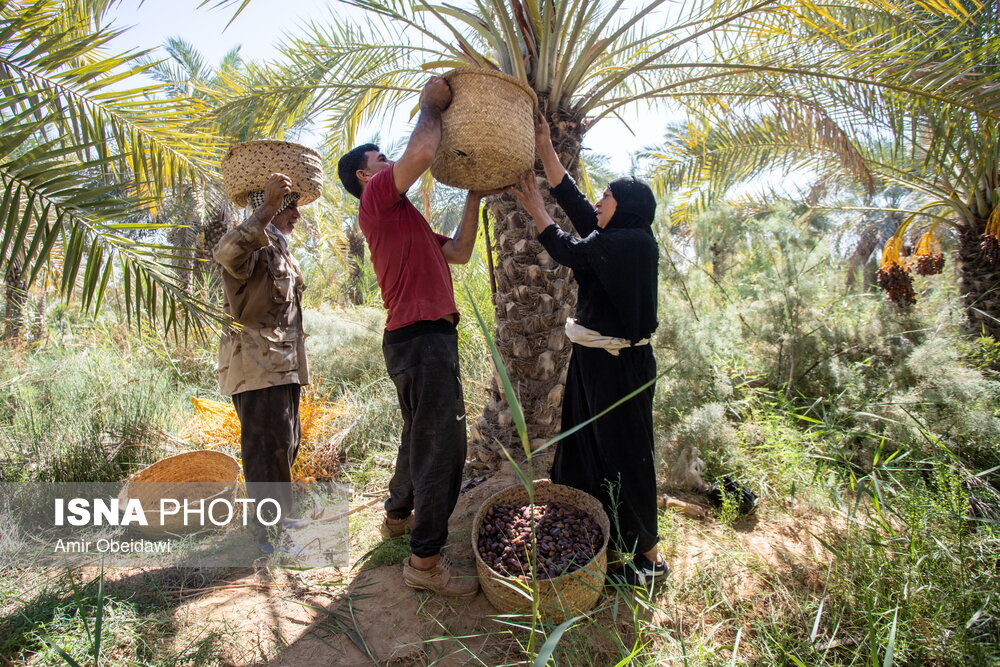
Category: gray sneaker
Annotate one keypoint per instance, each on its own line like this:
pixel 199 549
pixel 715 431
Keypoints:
pixel 282 543
pixel 294 524
pixel 440 579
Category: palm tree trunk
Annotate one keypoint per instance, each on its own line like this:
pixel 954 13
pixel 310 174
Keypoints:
pixel 719 252
pixel 979 281
pixel 41 331
pixel 216 224
pixel 860 259
pixel 534 297
pixel 356 259
pixel 182 237
pixel 205 223
pixel 16 296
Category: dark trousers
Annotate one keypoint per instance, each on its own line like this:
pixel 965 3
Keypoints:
pixel 432 448
pixel 612 457
pixel 269 440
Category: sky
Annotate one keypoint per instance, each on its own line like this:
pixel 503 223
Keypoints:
pixel 260 28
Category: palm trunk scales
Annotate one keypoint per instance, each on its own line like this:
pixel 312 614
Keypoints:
pixel 979 281
pixel 534 297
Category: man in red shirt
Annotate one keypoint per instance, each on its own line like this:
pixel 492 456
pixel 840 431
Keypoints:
pixel 420 343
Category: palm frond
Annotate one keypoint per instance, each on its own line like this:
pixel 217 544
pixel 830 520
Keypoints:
pixel 58 218
pixel 86 155
pixel 68 78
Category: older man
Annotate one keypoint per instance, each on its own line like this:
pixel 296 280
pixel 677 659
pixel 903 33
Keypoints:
pixel 262 362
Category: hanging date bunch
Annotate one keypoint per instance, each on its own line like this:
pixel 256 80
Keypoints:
pixel 928 258
pixel 894 276
pixel 991 237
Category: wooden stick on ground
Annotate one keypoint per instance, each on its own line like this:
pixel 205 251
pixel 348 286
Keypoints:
pixel 687 509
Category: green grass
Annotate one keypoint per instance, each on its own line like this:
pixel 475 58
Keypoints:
pixel 84 414
pixel 385 552
pixel 66 617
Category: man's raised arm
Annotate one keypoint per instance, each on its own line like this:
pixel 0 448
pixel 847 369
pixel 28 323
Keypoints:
pixel 426 135
pixel 235 250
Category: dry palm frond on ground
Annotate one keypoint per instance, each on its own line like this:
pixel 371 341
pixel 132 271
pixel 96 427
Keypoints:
pixel 324 423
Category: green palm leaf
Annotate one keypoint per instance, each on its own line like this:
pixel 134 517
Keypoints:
pixel 85 157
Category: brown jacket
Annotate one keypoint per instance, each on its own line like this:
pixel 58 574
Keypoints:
pixel 263 294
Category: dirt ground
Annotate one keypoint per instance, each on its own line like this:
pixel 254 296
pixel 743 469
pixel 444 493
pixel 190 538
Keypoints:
pixel 367 616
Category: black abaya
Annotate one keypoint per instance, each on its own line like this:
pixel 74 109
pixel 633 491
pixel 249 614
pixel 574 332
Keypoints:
pixel 612 457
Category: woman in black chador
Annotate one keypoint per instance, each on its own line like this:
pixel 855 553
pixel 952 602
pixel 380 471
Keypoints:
pixel 615 265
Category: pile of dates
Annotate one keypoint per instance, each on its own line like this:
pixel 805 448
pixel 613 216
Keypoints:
pixel 567 539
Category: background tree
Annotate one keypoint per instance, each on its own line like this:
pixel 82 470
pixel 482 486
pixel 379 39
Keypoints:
pixel 910 101
pixel 200 210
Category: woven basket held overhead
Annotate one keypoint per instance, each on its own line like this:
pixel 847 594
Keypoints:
pixel 246 166
pixel 191 476
pixel 487 133
pixel 565 596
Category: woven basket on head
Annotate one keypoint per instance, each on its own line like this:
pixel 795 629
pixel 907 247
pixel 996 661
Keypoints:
pixel 246 167
pixel 487 132
pixel 192 476
pixel 567 595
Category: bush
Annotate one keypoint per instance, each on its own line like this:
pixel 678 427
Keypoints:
pixel 344 347
pixel 915 568
pixel 84 415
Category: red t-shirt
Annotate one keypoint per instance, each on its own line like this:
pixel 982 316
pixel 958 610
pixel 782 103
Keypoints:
pixel 411 270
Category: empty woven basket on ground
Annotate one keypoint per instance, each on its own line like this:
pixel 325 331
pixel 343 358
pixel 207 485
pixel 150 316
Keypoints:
pixel 560 598
pixel 246 166
pixel 487 132
pixel 191 476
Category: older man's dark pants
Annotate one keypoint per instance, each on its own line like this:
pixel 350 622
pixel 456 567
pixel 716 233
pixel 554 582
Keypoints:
pixel 422 361
pixel 270 432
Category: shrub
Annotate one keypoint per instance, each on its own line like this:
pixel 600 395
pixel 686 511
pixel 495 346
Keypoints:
pixel 87 416
pixel 345 346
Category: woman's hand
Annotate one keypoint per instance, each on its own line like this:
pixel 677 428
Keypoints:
pixel 543 134
pixel 531 199
pixel 527 193
pixel 554 170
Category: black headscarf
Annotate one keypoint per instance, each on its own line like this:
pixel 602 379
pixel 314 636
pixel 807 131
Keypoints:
pixel 636 205
pixel 625 257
